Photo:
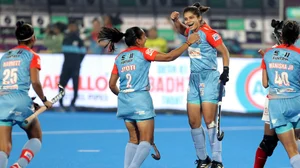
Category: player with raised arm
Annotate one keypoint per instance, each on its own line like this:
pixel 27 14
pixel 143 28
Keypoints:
pixel 204 81
pixel 270 139
pixel 281 68
pixel 135 104
pixel 19 67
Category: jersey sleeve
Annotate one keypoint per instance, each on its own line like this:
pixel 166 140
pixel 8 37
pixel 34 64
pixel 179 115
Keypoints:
pixel 213 38
pixel 149 54
pixel 115 69
pixel 263 64
pixel 186 32
pixel 35 62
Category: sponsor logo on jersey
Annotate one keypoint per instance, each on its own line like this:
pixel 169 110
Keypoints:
pixel 216 36
pixel 149 51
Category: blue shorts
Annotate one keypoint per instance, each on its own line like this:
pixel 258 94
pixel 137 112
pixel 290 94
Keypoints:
pixel 10 123
pixel 135 106
pixel 285 128
pixel 284 111
pixel 130 120
pixel 15 108
pixel 204 87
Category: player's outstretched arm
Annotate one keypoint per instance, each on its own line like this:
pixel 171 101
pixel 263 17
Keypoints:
pixel 172 55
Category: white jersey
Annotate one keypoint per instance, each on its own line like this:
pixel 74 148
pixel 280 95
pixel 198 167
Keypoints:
pixel 265 116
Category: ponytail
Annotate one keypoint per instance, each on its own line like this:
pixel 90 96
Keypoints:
pixel 197 9
pixel 112 35
pixel 201 8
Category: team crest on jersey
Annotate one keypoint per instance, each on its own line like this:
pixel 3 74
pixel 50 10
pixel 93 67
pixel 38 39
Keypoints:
pixel 194 52
pixel 216 36
pixel 149 51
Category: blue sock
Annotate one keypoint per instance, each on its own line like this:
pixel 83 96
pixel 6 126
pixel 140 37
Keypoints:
pixel 141 154
pixel 216 145
pixel 31 147
pixel 295 161
pixel 3 159
pixel 129 154
pixel 198 136
pixel 298 145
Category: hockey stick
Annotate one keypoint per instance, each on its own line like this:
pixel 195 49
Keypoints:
pixel 155 156
pixel 44 108
pixel 220 133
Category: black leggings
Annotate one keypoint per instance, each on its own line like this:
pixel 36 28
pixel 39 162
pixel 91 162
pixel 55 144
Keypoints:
pixel 71 69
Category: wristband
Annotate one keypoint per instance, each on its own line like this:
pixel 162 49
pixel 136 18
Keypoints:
pixel 188 43
pixel 44 100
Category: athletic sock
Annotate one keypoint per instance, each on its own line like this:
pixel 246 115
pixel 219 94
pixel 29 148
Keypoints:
pixel 130 150
pixel 141 154
pixel 3 159
pixel 216 145
pixel 295 161
pixel 198 136
pixel 31 147
pixel 260 158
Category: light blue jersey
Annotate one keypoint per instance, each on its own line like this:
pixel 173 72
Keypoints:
pixel 204 78
pixel 282 64
pixel 283 67
pixel 15 83
pixel 134 100
pixel 203 54
pixel 14 69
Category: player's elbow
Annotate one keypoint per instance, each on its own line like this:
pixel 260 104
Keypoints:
pixel 35 83
pixel 112 86
pixel 265 84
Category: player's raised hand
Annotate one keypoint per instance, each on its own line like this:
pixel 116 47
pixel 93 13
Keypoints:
pixel 193 38
pixel 174 15
pixel 261 52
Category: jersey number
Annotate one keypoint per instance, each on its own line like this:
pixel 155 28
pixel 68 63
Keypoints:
pixel 10 76
pixel 128 77
pixel 282 78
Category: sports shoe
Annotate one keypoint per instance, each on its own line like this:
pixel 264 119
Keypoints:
pixel 216 164
pixel 203 163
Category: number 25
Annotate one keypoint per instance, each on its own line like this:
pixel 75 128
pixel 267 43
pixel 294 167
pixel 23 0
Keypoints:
pixel 10 76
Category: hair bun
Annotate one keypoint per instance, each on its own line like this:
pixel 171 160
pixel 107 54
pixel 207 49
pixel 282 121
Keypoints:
pixel 197 4
pixel 276 23
pixel 20 23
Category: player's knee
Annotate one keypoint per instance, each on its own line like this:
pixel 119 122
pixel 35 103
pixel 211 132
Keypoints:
pixel 6 148
pixel 134 140
pixel 194 123
pixel 211 124
pixel 268 144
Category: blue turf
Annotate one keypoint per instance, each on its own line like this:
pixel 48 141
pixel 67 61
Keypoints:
pixel 60 149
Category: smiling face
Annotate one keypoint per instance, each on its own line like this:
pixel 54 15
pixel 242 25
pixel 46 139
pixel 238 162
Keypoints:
pixel 192 21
